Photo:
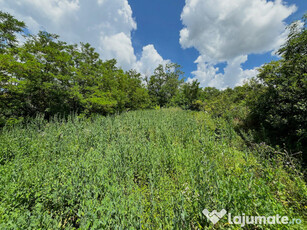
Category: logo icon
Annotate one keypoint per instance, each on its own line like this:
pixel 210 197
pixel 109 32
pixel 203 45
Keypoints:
pixel 214 216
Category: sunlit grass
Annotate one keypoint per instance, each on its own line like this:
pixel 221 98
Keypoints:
pixel 154 169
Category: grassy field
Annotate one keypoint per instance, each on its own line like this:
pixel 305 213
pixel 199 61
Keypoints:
pixel 155 169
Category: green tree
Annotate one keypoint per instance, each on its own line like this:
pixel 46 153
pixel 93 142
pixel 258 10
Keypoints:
pixel 94 83
pixel 208 93
pixel 136 91
pixel 191 91
pixel 281 109
pixel 9 26
pixel 187 94
pixel 48 76
pixel 164 83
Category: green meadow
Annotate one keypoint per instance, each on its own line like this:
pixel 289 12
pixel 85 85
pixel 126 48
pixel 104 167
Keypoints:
pixel 150 169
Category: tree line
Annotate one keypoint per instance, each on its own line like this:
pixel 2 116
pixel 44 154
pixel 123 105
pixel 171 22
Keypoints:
pixel 45 75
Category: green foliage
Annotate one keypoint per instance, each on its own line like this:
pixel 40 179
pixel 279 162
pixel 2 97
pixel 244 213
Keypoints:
pixel 164 84
pixel 9 26
pixel 198 105
pixel 208 93
pixel 153 169
pixel 47 76
pixel 146 169
pixel 224 103
pixel 282 107
pixel 187 94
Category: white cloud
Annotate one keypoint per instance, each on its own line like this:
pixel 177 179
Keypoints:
pixel 105 24
pixel 234 75
pixel 223 30
pixel 149 60
pixel 119 46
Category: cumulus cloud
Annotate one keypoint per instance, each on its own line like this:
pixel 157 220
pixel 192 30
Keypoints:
pixel 118 46
pixel 223 30
pixel 149 60
pixel 234 75
pixel 105 24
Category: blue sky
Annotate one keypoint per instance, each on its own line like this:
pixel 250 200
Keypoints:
pixel 218 42
pixel 159 23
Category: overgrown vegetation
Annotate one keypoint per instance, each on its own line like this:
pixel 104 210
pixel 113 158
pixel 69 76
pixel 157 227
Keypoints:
pixel 140 170
pixel 71 156
pixel 280 110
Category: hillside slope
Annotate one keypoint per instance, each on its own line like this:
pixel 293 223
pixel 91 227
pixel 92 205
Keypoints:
pixel 140 170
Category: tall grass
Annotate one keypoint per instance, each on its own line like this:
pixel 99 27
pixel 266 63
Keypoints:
pixel 139 170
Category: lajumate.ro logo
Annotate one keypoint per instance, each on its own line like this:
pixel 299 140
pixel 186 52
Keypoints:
pixel 243 220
